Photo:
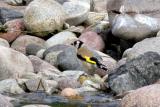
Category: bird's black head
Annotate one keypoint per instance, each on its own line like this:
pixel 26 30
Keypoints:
pixel 77 44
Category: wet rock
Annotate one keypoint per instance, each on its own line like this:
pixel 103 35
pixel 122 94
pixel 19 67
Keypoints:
pixel 9 14
pixel 77 12
pixel 67 60
pixel 40 22
pixel 67 82
pixel 14 29
pixel 22 42
pixel 11 87
pixel 36 105
pixel 69 92
pixel 143 97
pixel 136 73
pixel 4 43
pixel 50 54
pixel 64 37
pixel 13 64
pixel 147 45
pixel 92 40
pixel 4 102
pixel 42 66
pixel 33 49
pixel 121 27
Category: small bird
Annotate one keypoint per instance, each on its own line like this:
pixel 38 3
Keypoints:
pixel 85 54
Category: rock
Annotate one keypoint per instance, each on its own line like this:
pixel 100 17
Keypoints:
pixel 9 14
pixel 67 60
pixel 77 12
pixel 67 82
pixel 101 5
pixel 14 28
pixel 64 37
pixel 69 92
pixel 147 96
pixel 50 54
pixel 13 64
pixel 4 102
pixel 22 42
pixel 93 40
pixel 121 27
pixel 33 49
pixel 158 34
pixel 12 87
pixel 136 73
pixel 18 2
pixel 42 66
pixel 40 22
pixel 147 45
pixel 86 89
pixel 36 105
pixel 73 74
pixel 76 29
pixel 4 43
pixel 95 17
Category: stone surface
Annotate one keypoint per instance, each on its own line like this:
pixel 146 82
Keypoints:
pixel 101 5
pixel 4 43
pixel 18 2
pixel 14 29
pixel 67 60
pixel 50 54
pixel 22 42
pixel 92 40
pixel 77 12
pixel 33 49
pixel 42 66
pixel 4 102
pixel 136 73
pixel 12 87
pixel 147 96
pixel 126 27
pixel 9 14
pixel 69 92
pixel 13 64
pixel 36 105
pixel 67 82
pixel 149 44
pixel 44 16
pixel 64 37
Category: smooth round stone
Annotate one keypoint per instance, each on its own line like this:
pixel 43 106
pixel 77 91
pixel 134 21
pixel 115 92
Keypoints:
pixel 4 43
pixel 69 92
pixel 77 12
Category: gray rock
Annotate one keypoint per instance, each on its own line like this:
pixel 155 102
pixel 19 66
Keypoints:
pixel 44 17
pixel 13 64
pixel 4 42
pixel 67 60
pixel 36 105
pixel 4 102
pixel 136 73
pixel 50 54
pixel 68 83
pixel 64 37
pixel 33 49
pixel 77 12
pixel 149 44
pixel 10 86
pixel 8 14
pixel 101 5
pixel 126 27
pixel 22 42
pixel 18 2
pixel 42 66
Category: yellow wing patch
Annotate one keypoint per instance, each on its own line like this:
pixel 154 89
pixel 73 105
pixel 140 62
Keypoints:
pixel 89 60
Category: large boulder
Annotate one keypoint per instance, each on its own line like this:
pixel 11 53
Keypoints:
pixel 143 97
pixel 138 72
pixel 13 64
pixel 149 44
pixel 44 16
pixel 135 27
